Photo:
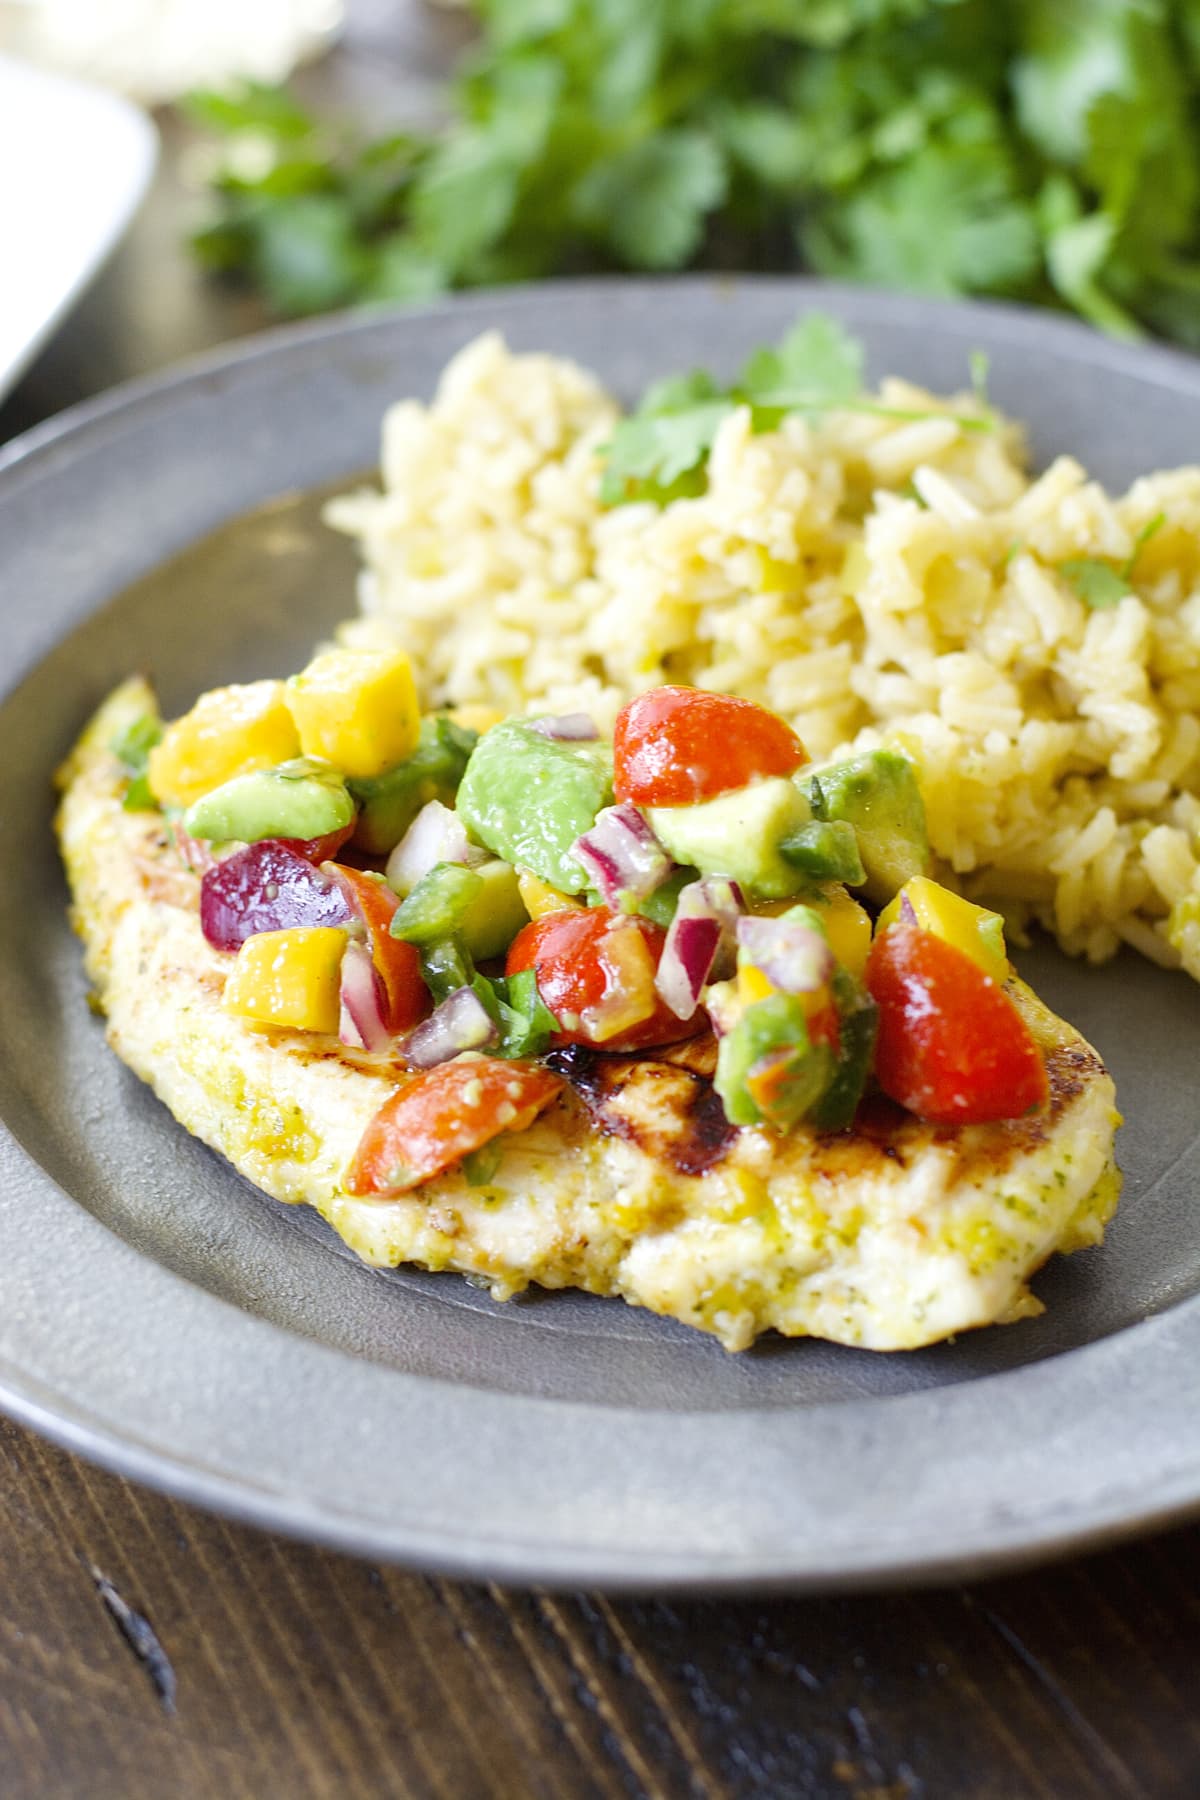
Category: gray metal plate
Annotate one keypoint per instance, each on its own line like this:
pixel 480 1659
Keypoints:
pixel 158 1314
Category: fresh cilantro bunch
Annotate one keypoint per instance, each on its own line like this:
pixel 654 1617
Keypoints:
pixel 1047 149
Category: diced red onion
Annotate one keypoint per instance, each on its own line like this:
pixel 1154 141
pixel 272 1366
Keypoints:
pixel 362 1023
pixel 908 912
pixel 700 942
pixel 621 855
pixel 436 835
pixel 567 728
pixel 793 956
pixel 266 887
pixel 460 1023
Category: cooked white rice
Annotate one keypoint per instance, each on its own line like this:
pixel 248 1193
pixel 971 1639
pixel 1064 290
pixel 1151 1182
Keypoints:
pixel 873 580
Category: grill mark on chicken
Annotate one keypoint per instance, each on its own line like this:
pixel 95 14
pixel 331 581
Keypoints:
pixel 670 1112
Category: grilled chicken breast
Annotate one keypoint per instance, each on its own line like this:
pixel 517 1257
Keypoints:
pixel 888 1236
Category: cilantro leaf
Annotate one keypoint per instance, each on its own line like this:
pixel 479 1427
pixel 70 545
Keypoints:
pixel 661 456
pixel 1150 529
pixel 947 222
pixel 133 749
pixel 979 363
pixel 818 365
pixel 679 393
pixel 1097 583
pixel 250 106
pixel 307 255
pixel 649 203
pixel 464 199
pixel 526 1022
pixel 479 1166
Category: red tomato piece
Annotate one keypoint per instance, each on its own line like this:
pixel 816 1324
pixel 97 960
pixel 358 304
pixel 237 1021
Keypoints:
pixel 675 746
pixel 952 1047
pixel 398 963
pixel 579 977
pixel 441 1115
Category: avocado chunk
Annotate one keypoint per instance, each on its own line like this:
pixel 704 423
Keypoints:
pixel 492 918
pixel 437 905
pixel 299 799
pixel 858 1023
pixel 390 802
pixel 660 906
pixel 769 1072
pixel 877 793
pixel 740 835
pixel 826 850
pixel 528 797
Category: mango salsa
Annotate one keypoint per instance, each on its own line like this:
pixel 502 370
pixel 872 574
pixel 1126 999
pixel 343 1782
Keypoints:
pixel 357 709
pixel 972 929
pixel 289 978
pixel 230 731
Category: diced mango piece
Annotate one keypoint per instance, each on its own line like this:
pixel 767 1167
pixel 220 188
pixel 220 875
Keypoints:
pixel 753 984
pixel 475 718
pixel 847 924
pixel 357 709
pixel 848 928
pixel 289 978
pixel 230 731
pixel 539 897
pixel 629 996
pixel 970 928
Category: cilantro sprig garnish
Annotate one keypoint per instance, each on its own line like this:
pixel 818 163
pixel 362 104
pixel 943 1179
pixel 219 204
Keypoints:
pixel 660 451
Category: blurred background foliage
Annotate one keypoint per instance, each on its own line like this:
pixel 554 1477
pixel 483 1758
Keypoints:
pixel 1043 150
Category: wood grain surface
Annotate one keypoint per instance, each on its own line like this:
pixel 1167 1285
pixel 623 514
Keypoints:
pixel 149 1652
pixel 300 1673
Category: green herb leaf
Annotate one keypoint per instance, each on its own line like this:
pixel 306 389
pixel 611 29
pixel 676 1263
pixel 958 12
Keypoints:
pixel 306 254
pixel 1097 583
pixel 649 203
pixel 1150 529
pixel 526 1022
pixel 133 749
pixel 135 743
pixel 662 456
pixel 250 106
pixel 479 1166
pixel 818 365
pixel 980 363
pixel 138 797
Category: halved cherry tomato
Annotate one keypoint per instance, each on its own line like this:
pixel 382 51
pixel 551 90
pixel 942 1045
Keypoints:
pixel 322 849
pixel 674 746
pixel 441 1115
pixel 398 963
pixel 580 977
pixel 952 1047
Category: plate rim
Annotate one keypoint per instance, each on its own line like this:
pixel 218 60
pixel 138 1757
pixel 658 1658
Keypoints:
pixel 1108 1516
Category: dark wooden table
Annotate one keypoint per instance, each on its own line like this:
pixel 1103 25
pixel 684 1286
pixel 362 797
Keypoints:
pixel 278 1670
